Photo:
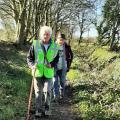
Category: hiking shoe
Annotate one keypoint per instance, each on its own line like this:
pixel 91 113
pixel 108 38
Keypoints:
pixel 56 99
pixel 38 113
pixel 47 112
pixel 61 97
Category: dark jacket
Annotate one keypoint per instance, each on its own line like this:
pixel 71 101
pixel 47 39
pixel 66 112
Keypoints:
pixel 31 58
pixel 69 55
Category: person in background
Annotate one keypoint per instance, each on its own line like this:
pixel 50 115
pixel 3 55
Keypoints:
pixel 42 58
pixel 63 66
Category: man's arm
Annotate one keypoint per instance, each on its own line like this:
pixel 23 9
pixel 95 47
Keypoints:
pixel 31 57
pixel 55 61
pixel 69 55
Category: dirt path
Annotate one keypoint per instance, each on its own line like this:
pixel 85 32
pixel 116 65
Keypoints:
pixel 61 110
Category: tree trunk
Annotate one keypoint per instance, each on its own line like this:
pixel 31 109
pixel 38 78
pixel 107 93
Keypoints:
pixel 22 34
pixel 80 38
pixel 81 28
pixel 113 36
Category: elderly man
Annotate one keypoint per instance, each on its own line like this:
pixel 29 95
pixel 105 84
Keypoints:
pixel 42 58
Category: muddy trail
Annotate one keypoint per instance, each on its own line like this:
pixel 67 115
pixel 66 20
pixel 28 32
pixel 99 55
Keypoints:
pixel 62 110
pixel 17 81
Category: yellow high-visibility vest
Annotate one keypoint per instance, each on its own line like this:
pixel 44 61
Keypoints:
pixel 41 68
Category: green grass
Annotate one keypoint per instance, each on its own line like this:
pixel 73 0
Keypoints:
pixel 103 54
pixel 101 57
pixel 15 81
pixel 97 90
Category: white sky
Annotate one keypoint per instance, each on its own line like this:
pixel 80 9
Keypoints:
pixel 93 31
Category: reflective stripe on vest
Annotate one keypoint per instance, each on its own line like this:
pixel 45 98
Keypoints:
pixel 39 57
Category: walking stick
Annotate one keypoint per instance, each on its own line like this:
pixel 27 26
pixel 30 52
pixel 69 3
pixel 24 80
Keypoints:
pixel 30 97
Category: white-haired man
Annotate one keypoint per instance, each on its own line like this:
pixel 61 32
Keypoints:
pixel 44 54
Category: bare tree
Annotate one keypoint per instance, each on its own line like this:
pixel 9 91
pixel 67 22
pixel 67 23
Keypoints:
pixel 20 12
pixel 30 15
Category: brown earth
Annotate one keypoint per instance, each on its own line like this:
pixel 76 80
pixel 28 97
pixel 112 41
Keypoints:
pixel 62 110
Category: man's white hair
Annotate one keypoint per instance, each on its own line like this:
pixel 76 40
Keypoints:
pixel 45 29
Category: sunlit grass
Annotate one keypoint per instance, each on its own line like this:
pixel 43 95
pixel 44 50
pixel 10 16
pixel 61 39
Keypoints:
pixel 96 90
pixel 15 79
pixel 103 54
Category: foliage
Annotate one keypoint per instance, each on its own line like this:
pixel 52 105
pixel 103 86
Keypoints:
pixel 108 29
pixel 72 75
pixel 7 31
pixel 30 15
pixel 101 57
pixel 97 91
pixel 14 83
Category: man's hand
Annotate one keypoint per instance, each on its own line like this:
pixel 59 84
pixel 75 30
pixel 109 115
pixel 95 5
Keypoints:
pixel 67 69
pixel 33 67
pixel 49 65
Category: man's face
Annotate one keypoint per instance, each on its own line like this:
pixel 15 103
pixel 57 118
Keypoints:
pixel 46 37
pixel 61 41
